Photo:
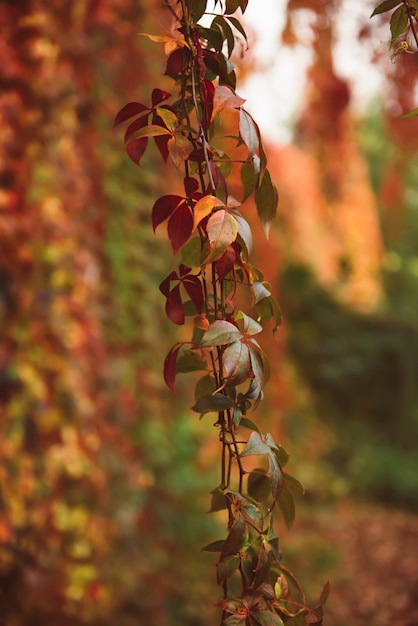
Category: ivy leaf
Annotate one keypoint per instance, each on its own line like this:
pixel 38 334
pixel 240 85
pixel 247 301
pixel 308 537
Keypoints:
pixel 163 208
pixel 248 132
pixel 135 150
pixel 179 148
pixel 276 476
pixel 267 618
pixel 398 22
pixel 226 263
pixel 218 502
pixel 212 404
pixel 227 35
pixel 215 546
pixel 251 327
pixel 168 117
pixel 266 200
pixel 222 230
pixel 387 5
pixel 220 333
pixel 174 306
pixel 293 485
pixel 129 110
pixel 236 537
pixel 255 445
pixel 170 366
pixel 237 24
pixel 247 423
pixel 158 96
pixel 206 386
pixel 287 506
pixel 259 485
pixel 204 207
pixel 180 226
pixel 152 130
pixel 225 98
pixel 226 568
pixel 190 361
pixel 236 362
pixel 244 231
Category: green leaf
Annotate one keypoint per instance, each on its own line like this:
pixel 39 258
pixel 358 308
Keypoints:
pixel 190 361
pixel 236 537
pixel 215 546
pixel 293 485
pixel 206 386
pixel 220 333
pixel 287 506
pixel 282 455
pixel 236 24
pixel 212 404
pixel 191 252
pixel 227 567
pixel 258 485
pixel 387 5
pixel 249 179
pixel 169 117
pixel 273 543
pixel 218 500
pixel 266 200
pixel 247 423
pixel 413 113
pixel 198 9
pixel 267 309
pixel 267 618
pixel 399 22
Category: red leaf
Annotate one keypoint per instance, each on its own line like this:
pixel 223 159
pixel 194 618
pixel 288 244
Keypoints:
pixel 174 306
pixel 166 284
pixel 158 95
pixel 163 208
pixel 128 111
pixel 162 141
pixel 137 124
pixel 136 149
pixel 170 366
pixel 226 263
pixel 190 185
pixel 174 65
pixel 180 226
pixel 194 290
pixel 208 93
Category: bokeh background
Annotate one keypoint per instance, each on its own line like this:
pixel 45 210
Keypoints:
pixel 104 475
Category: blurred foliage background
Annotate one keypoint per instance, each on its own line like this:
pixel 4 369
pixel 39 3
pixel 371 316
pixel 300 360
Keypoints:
pixel 104 475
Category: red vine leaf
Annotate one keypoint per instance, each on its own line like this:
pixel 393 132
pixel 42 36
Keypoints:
pixel 180 226
pixel 170 362
pixel 163 208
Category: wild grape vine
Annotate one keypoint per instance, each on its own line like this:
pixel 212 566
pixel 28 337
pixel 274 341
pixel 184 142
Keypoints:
pixel 213 241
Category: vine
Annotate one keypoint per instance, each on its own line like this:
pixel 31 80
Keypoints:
pixel 207 229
